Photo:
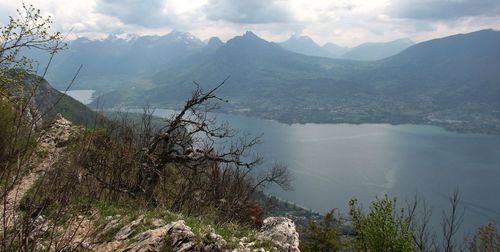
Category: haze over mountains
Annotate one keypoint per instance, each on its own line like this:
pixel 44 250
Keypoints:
pixel 364 52
pixel 111 62
pixel 377 51
pixel 141 57
pixel 450 81
pixel 305 45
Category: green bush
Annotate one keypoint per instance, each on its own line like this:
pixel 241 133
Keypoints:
pixel 322 234
pixel 382 228
pixel 486 239
pixel 6 126
pixel 16 140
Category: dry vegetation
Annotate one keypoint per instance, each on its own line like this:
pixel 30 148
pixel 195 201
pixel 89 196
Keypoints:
pixel 191 164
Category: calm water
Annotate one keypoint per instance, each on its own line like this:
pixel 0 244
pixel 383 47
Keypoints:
pixel 83 96
pixel 331 163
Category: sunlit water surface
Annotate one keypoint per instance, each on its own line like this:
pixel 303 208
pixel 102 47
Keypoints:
pixel 332 163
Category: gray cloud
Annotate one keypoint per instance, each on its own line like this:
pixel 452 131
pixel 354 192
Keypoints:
pixel 444 9
pixel 138 12
pixel 247 11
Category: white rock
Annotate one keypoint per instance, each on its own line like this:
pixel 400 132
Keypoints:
pixel 281 231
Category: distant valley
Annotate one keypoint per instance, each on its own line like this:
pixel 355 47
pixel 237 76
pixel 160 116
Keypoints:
pixel 451 82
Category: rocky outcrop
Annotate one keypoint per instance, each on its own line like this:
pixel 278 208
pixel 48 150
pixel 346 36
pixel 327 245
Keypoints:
pixel 150 240
pixel 51 145
pixel 181 237
pixel 126 234
pixel 58 134
pixel 126 231
pixel 177 236
pixel 213 241
pixel 281 231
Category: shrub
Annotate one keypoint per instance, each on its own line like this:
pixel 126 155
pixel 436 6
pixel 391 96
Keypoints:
pixel 382 228
pixel 322 234
pixel 486 239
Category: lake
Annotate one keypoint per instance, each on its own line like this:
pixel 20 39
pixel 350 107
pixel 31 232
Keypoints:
pixel 332 163
pixel 84 96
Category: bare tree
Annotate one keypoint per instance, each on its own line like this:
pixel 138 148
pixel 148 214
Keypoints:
pixel 192 139
pixel 210 165
pixel 451 222
pixel 19 87
pixel 419 214
pixel 28 31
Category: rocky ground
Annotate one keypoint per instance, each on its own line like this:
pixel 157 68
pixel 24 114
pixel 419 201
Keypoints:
pixel 95 232
pixel 50 148
pixel 143 234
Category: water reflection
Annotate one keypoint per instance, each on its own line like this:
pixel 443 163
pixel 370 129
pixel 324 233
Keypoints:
pixel 331 163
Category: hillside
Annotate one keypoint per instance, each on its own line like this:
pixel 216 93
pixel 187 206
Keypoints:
pixel 364 52
pixel 335 50
pixel 32 205
pixel 62 198
pixel 49 102
pixel 377 51
pixel 426 83
pixel 73 179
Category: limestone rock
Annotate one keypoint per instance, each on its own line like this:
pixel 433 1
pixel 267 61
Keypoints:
pixel 281 231
pixel 113 223
pixel 150 240
pixel 181 236
pixel 128 229
pixel 213 241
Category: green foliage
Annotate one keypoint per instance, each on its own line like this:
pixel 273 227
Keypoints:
pixel 30 30
pixel 267 245
pixel 433 83
pixel 204 224
pixel 383 228
pixel 486 239
pixel 19 83
pixel 16 143
pixel 18 88
pixel 274 206
pixel 6 127
pixel 322 235
pixel 74 111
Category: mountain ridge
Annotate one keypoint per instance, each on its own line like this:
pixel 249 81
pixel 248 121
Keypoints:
pixel 369 51
pixel 305 45
pixel 271 82
pixel 376 51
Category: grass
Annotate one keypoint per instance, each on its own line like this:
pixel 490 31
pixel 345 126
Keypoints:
pixel 267 245
pixel 128 210
pixel 230 232
pixel 110 234
pixel 201 226
pixel 198 224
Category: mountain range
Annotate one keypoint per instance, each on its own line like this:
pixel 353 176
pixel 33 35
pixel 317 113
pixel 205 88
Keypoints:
pixel 305 45
pixel 364 52
pixel 109 63
pixel 452 81
pixel 377 51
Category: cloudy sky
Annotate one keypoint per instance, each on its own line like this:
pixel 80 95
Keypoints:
pixel 340 21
